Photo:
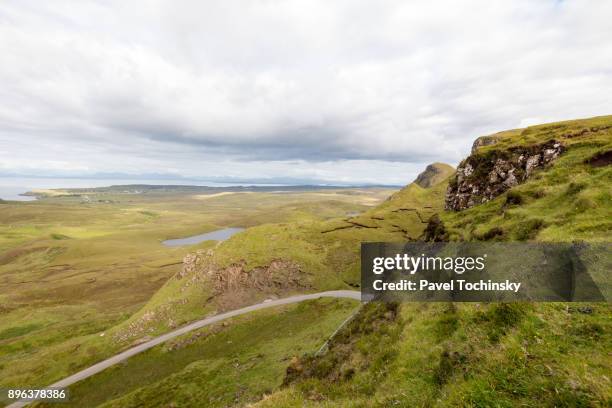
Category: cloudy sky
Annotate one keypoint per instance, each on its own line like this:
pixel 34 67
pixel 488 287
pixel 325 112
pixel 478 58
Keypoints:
pixel 350 91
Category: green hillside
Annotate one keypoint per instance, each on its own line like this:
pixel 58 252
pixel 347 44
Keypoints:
pixel 483 355
pixel 568 201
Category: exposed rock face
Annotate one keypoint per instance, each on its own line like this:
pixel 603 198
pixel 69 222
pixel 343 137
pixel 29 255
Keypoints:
pixel 232 286
pixel 192 261
pixel 147 322
pixel 235 285
pixel 278 274
pixel 433 174
pixel 482 177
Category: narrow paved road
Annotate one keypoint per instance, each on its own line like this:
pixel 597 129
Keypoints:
pixel 96 368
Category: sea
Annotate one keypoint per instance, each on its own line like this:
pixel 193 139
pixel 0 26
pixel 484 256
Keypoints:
pixel 12 188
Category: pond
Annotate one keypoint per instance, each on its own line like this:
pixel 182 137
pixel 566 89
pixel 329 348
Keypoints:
pixel 218 235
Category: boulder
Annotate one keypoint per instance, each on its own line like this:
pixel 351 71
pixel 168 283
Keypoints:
pixel 483 176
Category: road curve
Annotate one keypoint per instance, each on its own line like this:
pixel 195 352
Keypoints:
pixel 102 365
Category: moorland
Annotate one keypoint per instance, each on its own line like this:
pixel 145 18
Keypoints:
pixel 75 263
pixel 82 279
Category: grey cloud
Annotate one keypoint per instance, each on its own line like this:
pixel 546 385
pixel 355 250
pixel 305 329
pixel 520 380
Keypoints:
pixel 348 89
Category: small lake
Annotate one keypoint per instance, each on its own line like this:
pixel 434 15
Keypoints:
pixel 218 235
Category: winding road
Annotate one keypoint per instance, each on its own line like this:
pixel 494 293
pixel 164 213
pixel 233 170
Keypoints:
pixel 96 368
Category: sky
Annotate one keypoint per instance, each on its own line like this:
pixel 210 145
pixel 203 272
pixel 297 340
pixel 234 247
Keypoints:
pixel 304 91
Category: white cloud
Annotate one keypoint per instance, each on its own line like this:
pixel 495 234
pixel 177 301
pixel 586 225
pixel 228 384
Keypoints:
pixel 349 90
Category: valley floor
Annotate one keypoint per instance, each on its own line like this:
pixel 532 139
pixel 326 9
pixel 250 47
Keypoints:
pixel 74 266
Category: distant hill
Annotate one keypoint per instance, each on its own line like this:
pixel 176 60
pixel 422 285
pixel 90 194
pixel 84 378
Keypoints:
pixel 434 174
pixel 188 189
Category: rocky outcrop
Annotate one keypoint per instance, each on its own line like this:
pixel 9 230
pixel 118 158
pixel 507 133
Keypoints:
pixel 147 322
pixel 279 274
pixel 232 286
pixel 433 174
pixel 482 177
pixel 192 262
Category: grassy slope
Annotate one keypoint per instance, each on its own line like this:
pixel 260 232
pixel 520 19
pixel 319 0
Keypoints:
pixel 216 367
pixel 70 270
pixel 569 201
pixel 482 355
pixel 327 252
pixel 468 355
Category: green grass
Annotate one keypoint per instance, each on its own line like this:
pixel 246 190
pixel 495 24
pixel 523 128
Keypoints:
pixel 17 331
pixel 472 355
pixel 569 201
pixel 71 270
pixel 490 355
pixel 230 363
